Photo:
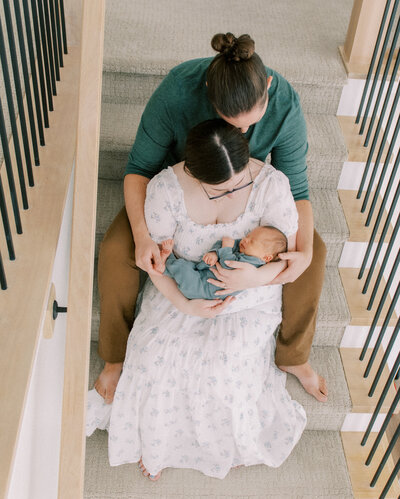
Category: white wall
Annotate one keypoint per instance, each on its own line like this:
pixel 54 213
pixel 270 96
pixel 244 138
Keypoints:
pixel 35 472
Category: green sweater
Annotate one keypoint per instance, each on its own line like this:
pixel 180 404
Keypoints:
pixel 181 102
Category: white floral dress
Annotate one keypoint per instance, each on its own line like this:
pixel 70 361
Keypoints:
pixel 204 393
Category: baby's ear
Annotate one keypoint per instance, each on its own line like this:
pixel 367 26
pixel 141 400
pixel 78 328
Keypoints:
pixel 268 258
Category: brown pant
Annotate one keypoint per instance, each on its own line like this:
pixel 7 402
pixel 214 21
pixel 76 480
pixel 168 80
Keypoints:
pixel 119 287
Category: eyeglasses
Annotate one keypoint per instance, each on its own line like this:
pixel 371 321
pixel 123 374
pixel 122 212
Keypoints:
pixel 228 192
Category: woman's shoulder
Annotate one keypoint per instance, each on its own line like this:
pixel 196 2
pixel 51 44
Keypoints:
pixel 268 173
pixel 270 181
pixel 162 179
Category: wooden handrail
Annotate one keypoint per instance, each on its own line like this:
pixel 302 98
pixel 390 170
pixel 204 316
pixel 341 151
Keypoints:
pixel 72 452
pixel 23 305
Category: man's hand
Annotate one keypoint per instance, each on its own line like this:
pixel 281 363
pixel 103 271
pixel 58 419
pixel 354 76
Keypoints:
pixel 297 261
pixel 207 308
pixel 242 276
pixel 147 254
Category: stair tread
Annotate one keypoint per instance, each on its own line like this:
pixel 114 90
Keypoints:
pixel 315 468
pixel 119 123
pixel 277 27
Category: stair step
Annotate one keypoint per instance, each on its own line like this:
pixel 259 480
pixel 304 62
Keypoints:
pixel 133 88
pixel 307 57
pixel 330 222
pixel 325 158
pixel 315 468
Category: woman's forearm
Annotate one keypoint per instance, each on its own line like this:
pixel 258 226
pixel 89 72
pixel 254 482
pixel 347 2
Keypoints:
pixel 170 290
pixel 268 272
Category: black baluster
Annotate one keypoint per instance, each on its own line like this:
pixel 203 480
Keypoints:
pixel 43 73
pixel 25 73
pixel 384 359
pixel 3 280
pixel 388 188
pixel 374 55
pixel 387 253
pixel 383 428
pixel 381 399
pixel 379 66
pixel 45 6
pixel 382 86
pixel 381 148
pixel 35 85
pixel 13 121
pixel 382 332
pixel 393 475
pixel 380 305
pixel 380 215
pixel 18 90
pixel 64 31
pixel 6 223
pixel 59 33
pixel 10 175
pixel 386 456
pixel 54 38
pixel 47 68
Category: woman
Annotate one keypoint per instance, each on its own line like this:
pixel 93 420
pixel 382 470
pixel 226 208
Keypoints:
pixel 236 86
pixel 199 387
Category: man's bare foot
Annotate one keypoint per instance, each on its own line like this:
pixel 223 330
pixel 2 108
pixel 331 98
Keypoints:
pixel 107 382
pixel 153 478
pixel 165 251
pixel 312 382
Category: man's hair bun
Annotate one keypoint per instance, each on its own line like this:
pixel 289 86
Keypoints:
pixel 234 49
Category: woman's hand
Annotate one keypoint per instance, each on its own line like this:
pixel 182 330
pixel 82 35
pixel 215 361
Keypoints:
pixel 297 261
pixel 206 308
pixel 147 255
pixel 242 276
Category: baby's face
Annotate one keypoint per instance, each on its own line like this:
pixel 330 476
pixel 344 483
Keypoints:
pixel 256 243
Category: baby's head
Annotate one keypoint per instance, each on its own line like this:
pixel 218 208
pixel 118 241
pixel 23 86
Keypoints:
pixel 265 243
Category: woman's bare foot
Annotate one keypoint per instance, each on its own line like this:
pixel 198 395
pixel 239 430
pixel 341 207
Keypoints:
pixel 153 478
pixel 107 382
pixel 312 382
pixel 165 251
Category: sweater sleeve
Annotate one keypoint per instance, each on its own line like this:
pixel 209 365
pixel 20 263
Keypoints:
pixel 155 133
pixel 289 152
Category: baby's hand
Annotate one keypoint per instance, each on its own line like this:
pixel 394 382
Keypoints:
pixel 227 242
pixel 210 258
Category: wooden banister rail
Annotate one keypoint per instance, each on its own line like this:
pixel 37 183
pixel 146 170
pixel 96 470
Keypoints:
pixel 72 451
pixel 361 36
pixel 23 305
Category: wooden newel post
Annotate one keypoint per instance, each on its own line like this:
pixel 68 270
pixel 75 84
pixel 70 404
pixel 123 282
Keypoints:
pixel 361 36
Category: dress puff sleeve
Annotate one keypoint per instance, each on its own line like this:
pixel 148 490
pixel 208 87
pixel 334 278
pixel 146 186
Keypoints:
pixel 158 208
pixel 278 207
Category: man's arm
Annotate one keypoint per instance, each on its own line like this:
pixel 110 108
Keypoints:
pixel 298 261
pixel 147 252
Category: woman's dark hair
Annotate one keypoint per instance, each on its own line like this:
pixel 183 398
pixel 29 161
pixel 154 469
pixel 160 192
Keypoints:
pixel 236 77
pixel 215 150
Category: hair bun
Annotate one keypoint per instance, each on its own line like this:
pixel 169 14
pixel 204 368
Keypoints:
pixel 234 49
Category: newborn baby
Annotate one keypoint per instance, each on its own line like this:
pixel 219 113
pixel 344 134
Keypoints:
pixel 262 245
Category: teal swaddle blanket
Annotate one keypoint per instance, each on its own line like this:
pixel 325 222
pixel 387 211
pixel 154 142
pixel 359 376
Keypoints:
pixel 191 277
